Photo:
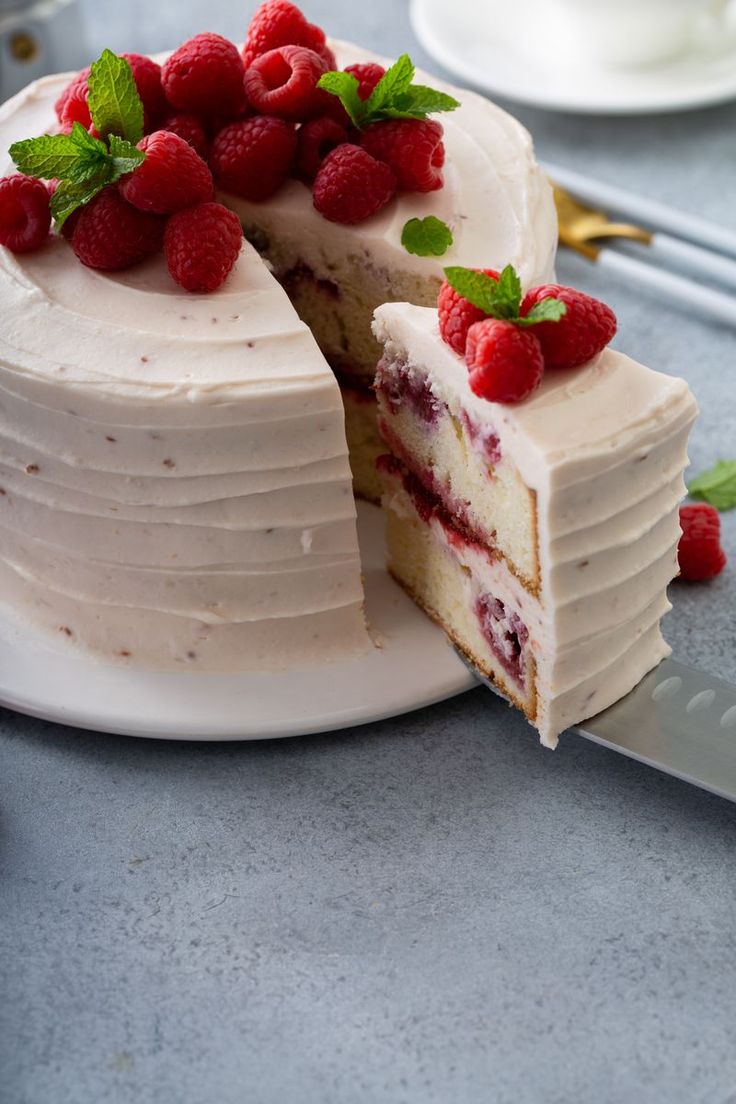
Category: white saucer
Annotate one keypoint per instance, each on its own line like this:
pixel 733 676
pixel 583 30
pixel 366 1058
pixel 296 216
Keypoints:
pixel 492 58
pixel 413 667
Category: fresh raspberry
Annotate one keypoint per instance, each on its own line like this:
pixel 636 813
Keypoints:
pixel 505 361
pixel 283 82
pixel 253 158
pixel 25 217
pixel 147 77
pixel 79 80
pixel 205 76
pixel 412 147
pixel 171 178
pixel 580 334
pixel 367 74
pixel 202 245
pixel 280 23
pixel 457 315
pixel 351 185
pixel 75 108
pixel 699 553
pixel 109 234
pixel 190 129
pixel 314 141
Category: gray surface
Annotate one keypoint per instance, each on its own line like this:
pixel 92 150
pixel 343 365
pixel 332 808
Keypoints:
pixel 430 909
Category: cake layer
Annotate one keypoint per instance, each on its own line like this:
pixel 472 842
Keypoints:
pixel 173 467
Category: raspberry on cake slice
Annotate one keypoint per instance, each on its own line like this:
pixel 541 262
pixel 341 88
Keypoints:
pixel 532 504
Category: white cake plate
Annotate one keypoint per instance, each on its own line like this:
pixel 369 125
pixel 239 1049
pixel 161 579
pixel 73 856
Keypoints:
pixel 482 42
pixel 414 666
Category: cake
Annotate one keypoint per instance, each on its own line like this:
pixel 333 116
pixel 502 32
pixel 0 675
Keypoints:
pixel 541 535
pixel 174 480
pixel 496 201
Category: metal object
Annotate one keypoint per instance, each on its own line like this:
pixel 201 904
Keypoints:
pixel 38 37
pixel 580 226
pixel 679 720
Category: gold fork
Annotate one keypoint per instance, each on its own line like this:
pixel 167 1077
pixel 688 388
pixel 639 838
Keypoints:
pixel 581 226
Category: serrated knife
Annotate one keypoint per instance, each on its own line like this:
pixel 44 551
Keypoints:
pixel 678 719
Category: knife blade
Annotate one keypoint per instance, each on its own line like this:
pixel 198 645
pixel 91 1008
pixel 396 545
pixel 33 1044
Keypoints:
pixel 678 719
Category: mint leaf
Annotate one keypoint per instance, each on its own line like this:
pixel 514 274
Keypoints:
pixel 86 142
pixel 345 86
pixel 418 102
pixel 68 197
pixel 427 237
pixel 48 157
pixel 125 157
pixel 113 98
pixel 546 310
pixel 394 97
pixel 394 81
pixel 717 485
pixel 476 287
pixel 508 295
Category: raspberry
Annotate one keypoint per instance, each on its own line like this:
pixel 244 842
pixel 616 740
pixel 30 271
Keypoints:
pixel 205 76
pixel 80 80
pixel 75 107
pixel 283 82
pixel 147 77
pixel 699 553
pixel 171 178
pixel 280 23
pixel 412 147
pixel 351 185
pixel 457 315
pixel 190 129
pixel 580 334
pixel 505 361
pixel 201 245
pixel 253 158
pixel 25 218
pixel 314 141
pixel 109 234
pixel 368 74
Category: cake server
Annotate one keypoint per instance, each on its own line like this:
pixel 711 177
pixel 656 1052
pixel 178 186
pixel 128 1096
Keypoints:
pixel 679 720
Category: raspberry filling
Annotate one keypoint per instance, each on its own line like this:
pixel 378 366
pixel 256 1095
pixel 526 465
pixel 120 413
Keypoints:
pixel 505 633
pixel 483 439
pixel 401 385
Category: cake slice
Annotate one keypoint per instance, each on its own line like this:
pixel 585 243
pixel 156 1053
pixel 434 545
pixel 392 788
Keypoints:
pixel 540 535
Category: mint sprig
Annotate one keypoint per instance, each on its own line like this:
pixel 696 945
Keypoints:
pixel 394 97
pixel 716 486
pixel 426 237
pixel 501 298
pixel 82 163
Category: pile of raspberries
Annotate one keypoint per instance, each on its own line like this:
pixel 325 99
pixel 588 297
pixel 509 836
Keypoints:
pixel 245 122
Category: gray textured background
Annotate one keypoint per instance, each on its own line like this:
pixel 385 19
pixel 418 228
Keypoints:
pixel 430 909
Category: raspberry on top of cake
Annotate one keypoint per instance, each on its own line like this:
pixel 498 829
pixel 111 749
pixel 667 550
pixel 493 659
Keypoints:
pixel 532 486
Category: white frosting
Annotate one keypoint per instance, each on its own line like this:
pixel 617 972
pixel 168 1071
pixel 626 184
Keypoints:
pixel 604 448
pixel 496 200
pixel 174 481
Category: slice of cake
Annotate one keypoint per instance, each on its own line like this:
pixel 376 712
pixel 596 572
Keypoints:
pixel 540 534
pixel 495 200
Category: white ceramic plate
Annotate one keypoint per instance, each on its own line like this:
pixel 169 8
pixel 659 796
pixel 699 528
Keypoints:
pixel 413 667
pixel 490 55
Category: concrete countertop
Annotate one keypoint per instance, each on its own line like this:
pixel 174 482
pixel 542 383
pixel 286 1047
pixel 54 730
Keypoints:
pixel 425 910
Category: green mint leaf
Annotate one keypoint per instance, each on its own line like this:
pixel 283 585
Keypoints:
pixel 125 157
pixel 417 103
pixel 113 99
pixel 476 287
pixel 68 197
pixel 86 143
pixel 427 237
pixel 394 81
pixel 345 86
pixel 93 159
pixel 47 157
pixel 508 295
pixel 717 485
pixel 546 310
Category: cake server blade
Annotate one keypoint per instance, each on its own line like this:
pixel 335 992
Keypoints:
pixel 679 720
